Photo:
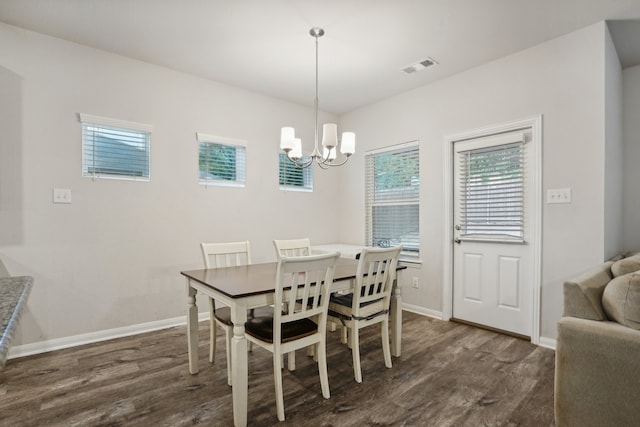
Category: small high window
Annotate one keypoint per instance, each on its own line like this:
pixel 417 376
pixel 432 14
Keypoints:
pixel 293 177
pixel 221 161
pixel 115 149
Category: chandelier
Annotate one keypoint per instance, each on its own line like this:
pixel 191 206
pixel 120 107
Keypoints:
pixel 292 146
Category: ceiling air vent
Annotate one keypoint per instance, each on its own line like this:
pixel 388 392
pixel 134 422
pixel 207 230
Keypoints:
pixel 420 65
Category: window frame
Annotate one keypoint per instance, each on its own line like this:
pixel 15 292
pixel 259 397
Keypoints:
pixel 240 161
pixel 307 175
pixel 371 203
pixel 136 130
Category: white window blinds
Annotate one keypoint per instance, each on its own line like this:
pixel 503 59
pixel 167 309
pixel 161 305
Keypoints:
pixel 221 161
pixel 492 192
pixel 115 148
pixel 392 197
pixel 292 177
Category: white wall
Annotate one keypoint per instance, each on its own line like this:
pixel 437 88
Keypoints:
pixel 112 258
pixel 631 137
pixel 563 80
pixel 10 152
pixel 613 151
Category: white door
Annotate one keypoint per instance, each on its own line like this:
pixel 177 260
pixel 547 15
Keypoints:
pixel 492 251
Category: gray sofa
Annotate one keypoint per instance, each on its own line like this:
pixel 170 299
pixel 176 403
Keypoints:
pixel 597 376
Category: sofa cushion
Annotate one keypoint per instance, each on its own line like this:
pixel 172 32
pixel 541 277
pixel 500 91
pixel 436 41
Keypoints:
pixel 621 300
pixel 626 265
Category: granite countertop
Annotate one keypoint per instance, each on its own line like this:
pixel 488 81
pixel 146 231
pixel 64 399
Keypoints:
pixel 14 292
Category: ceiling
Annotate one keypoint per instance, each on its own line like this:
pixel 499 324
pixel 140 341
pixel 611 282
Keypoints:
pixel 265 46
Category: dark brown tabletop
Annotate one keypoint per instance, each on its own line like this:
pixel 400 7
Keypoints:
pixel 246 280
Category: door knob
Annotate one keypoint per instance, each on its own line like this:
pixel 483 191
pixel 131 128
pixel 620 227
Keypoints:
pixel 458 227
pixel 456 240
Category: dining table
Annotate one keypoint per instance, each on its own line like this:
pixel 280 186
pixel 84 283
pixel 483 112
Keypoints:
pixel 252 286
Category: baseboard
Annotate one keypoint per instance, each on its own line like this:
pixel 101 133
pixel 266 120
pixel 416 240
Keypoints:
pixel 547 342
pixel 109 334
pixel 93 337
pixel 421 310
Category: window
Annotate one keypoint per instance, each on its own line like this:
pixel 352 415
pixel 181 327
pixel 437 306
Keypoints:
pixel 293 177
pixel 221 161
pixel 392 196
pixel 115 149
pixel 492 192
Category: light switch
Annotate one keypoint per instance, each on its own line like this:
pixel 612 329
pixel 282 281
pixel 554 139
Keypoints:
pixel 61 195
pixel 559 195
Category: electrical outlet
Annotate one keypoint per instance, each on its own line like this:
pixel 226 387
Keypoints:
pixel 414 283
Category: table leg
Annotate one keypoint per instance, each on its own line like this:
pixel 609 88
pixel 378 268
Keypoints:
pixel 240 366
pixel 192 328
pixel 396 321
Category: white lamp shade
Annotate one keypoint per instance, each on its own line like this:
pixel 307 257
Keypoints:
pixel 348 146
pixel 329 135
pixel 287 136
pixel 329 154
pixel 296 150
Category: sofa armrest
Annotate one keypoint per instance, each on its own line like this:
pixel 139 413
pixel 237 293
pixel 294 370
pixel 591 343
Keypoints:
pixel 583 295
pixel 596 375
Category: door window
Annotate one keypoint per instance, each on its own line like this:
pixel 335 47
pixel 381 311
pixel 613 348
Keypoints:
pixel 492 192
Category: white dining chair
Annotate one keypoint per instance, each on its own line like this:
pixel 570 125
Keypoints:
pixel 369 302
pixel 297 325
pixel 292 247
pixel 218 255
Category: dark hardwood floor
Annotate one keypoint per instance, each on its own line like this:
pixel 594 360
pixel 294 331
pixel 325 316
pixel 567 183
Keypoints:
pixel 449 374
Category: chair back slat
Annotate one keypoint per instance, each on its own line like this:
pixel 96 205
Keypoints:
pixel 375 277
pixel 297 290
pixel 219 255
pixel 292 248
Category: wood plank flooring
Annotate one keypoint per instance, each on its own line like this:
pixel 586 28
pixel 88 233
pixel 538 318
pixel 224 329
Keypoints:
pixel 449 374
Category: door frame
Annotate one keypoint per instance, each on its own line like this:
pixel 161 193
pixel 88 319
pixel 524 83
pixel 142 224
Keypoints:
pixel 535 124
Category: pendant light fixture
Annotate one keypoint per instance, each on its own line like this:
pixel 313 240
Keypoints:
pixel 292 146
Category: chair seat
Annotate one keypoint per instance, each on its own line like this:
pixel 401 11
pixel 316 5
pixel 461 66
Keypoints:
pixel 340 306
pixel 262 328
pixel 223 314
